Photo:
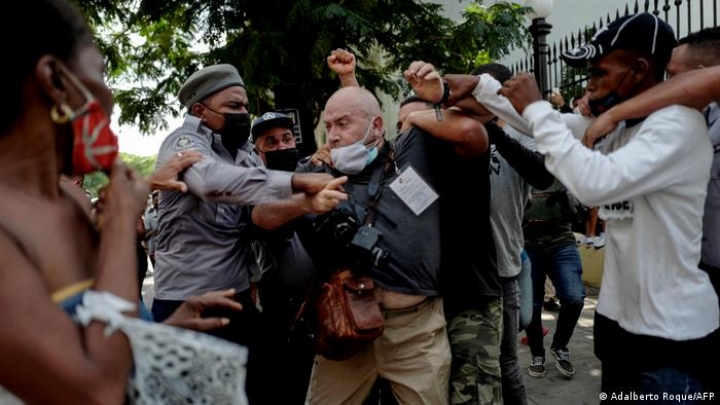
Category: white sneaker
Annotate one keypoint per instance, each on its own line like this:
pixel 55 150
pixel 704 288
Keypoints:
pixel 590 241
pixel 600 241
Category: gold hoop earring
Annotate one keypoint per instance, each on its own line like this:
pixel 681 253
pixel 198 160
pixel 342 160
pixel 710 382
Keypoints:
pixel 61 118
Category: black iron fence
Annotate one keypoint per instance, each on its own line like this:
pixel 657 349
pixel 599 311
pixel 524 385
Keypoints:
pixel 685 16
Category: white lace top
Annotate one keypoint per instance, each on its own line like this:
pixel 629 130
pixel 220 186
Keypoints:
pixel 171 365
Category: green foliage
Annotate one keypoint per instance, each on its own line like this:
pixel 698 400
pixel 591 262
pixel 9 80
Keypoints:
pixel 144 165
pixel 280 46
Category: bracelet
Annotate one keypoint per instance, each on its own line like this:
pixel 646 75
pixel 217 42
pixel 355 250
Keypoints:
pixel 443 100
pixel 446 93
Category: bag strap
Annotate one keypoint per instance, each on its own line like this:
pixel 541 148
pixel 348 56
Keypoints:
pixel 375 187
pixel 301 310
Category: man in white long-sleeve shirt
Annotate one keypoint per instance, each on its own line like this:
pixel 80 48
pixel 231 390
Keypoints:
pixel 657 312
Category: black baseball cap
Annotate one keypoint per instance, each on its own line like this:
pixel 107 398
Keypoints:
pixel 643 32
pixel 270 120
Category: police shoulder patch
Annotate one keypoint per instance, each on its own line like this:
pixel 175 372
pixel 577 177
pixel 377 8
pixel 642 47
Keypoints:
pixel 183 143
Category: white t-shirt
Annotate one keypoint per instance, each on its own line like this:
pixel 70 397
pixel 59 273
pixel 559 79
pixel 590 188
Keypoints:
pixel 650 181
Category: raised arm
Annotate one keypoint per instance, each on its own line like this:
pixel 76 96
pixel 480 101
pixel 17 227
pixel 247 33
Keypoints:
pixel 695 89
pixel 343 64
pixel 647 163
pixel 467 134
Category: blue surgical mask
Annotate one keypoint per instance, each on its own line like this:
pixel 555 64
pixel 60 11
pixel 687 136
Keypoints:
pixel 352 159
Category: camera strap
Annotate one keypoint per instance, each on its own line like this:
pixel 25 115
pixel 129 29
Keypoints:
pixel 375 187
pixel 374 192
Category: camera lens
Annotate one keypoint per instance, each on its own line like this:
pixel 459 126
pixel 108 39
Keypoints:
pixel 344 232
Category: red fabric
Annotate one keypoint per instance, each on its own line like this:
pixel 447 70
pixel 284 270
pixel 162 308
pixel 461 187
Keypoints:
pixel 95 146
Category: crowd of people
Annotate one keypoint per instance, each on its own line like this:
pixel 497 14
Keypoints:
pixel 458 219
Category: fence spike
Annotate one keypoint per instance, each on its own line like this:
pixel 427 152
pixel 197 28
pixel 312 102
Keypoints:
pixel 666 9
pixel 656 11
pixel 627 10
pixel 647 6
pixel 637 8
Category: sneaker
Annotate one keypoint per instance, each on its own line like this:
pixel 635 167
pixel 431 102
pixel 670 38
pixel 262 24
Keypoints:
pixel 590 241
pixel 552 305
pixel 563 363
pixel 537 367
pixel 600 241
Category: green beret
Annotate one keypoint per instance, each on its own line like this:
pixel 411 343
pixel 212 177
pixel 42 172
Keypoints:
pixel 208 81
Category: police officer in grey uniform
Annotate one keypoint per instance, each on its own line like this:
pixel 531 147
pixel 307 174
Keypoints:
pixel 201 243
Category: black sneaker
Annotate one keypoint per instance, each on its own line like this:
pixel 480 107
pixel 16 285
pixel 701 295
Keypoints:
pixel 552 305
pixel 563 363
pixel 537 367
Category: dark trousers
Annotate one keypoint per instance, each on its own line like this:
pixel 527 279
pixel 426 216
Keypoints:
pixel 714 274
pixel 513 388
pixel 285 354
pixel 562 264
pixel 648 365
pixel 242 329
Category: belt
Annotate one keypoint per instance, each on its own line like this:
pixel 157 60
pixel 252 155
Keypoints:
pixel 394 313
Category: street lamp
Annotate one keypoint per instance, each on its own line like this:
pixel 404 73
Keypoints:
pixel 539 29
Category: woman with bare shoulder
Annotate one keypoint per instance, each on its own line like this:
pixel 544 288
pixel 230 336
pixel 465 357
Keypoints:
pixel 68 285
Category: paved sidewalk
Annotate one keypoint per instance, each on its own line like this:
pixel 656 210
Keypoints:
pixel 553 389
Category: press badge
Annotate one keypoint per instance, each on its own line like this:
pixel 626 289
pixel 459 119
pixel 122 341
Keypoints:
pixel 413 190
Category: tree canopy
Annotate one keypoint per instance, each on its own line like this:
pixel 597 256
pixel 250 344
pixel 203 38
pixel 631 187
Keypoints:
pixel 280 47
pixel 144 165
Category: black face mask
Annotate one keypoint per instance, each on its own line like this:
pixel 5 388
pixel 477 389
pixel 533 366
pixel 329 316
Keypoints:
pixel 236 130
pixel 603 104
pixel 609 101
pixel 282 159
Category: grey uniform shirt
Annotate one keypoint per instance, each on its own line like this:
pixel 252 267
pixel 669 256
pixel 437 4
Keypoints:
pixel 201 242
pixel 711 218
pixel 151 224
pixel 509 193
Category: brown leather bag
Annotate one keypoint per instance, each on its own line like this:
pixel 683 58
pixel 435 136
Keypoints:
pixel 348 315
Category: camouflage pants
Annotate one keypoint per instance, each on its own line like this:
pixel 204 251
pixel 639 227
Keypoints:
pixel 475 337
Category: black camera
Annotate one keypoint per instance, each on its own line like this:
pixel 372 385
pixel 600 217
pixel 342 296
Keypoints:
pixel 341 230
pixel 365 245
pixel 336 227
